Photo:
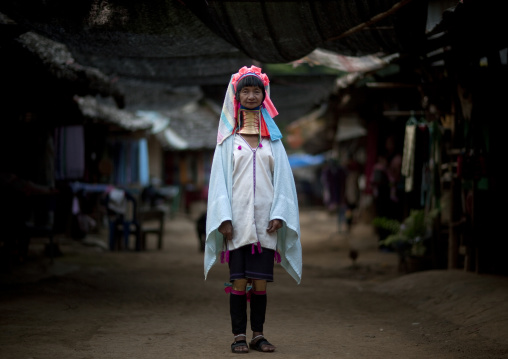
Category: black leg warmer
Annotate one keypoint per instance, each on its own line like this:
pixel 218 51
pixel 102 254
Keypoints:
pixel 257 311
pixel 238 311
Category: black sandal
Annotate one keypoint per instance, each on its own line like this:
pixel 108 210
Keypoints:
pixel 258 345
pixel 239 343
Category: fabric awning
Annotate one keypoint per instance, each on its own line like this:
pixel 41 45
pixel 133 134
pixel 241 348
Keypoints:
pixel 349 64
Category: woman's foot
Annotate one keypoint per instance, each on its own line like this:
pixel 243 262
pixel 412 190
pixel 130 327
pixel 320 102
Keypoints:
pixel 259 343
pixel 240 344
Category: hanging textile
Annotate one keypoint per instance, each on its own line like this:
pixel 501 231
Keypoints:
pixel 130 162
pixel 408 156
pixel 69 152
pixel 144 171
pixel 436 137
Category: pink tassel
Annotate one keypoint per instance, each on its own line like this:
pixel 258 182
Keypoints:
pixel 227 290
pixel 259 247
pixel 227 256
pixel 277 257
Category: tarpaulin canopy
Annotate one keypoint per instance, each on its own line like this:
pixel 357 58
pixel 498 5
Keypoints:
pixel 298 160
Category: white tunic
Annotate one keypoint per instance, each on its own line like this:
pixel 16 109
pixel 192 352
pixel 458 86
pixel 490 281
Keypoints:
pixel 252 194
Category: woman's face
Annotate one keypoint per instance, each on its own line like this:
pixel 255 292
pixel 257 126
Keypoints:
pixel 251 96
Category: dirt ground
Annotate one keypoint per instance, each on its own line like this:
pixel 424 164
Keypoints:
pixel 92 303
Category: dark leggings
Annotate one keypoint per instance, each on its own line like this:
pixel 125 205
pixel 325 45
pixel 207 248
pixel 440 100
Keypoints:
pixel 238 311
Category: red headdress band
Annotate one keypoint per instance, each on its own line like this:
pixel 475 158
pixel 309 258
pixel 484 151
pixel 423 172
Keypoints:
pixel 250 71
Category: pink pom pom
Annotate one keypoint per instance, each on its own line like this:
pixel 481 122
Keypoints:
pixel 239 147
pixel 260 145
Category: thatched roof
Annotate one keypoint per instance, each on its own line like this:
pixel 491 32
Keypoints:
pixel 194 126
pixel 108 114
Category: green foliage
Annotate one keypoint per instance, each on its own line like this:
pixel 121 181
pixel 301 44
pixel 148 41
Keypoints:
pixel 408 237
pixel 301 69
pixel 391 225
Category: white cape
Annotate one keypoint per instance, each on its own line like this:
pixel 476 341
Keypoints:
pixel 284 207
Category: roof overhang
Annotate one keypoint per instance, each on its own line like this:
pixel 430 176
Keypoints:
pixel 98 112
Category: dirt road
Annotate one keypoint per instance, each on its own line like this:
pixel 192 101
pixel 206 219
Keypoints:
pixel 95 304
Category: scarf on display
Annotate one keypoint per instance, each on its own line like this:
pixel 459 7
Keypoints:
pixel 230 108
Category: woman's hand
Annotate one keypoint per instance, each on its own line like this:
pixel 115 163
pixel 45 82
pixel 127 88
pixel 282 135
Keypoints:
pixel 226 228
pixel 274 225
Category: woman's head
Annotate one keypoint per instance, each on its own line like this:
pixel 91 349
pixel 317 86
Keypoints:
pixel 247 78
pixel 250 91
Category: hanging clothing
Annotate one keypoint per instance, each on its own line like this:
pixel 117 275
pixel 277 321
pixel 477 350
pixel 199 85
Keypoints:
pixel 130 161
pixel 408 156
pixel 143 161
pixel 69 152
